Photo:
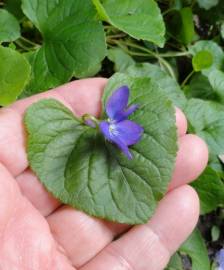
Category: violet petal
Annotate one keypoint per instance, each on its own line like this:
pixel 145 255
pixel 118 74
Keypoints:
pixel 129 132
pixel 111 136
pixel 124 114
pixel 118 102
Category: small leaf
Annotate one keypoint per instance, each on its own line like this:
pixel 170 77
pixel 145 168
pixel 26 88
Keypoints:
pixel 207 4
pixel 195 248
pixel 140 19
pixel 210 189
pixel 215 233
pixel 214 49
pixel 83 170
pixel 120 59
pixel 9 27
pixel 202 60
pixel 74 41
pixel 167 84
pixel 175 263
pixel 14 74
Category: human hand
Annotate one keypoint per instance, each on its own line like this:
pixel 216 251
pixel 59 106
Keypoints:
pixel 37 233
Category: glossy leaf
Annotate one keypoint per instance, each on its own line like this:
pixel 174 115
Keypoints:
pixel 68 29
pixel 195 248
pixel 140 19
pixel 9 27
pixel 80 168
pixel 14 74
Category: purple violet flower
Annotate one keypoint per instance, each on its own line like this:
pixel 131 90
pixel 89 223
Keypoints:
pixel 117 129
pixel 220 259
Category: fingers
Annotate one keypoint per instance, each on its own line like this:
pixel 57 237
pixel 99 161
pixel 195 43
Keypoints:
pixel 8 197
pixel 191 160
pixel 80 235
pixel 36 193
pixel 187 168
pixel 150 246
pixel 181 123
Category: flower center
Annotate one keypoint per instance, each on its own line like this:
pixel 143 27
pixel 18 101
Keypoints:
pixel 113 130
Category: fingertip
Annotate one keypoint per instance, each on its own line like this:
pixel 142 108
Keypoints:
pixel 181 122
pixel 84 95
pixel 192 159
pixel 176 217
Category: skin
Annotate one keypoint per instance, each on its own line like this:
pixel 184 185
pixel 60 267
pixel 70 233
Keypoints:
pixel 37 233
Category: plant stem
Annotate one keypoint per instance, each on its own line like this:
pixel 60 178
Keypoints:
pixel 28 41
pixel 162 61
pixel 21 45
pixel 187 78
pixel 175 54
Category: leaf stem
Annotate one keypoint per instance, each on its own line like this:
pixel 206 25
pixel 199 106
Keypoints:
pixel 90 120
pixel 162 61
pixel 29 41
pixel 187 78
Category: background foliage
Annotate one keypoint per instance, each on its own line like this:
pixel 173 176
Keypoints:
pixel 176 43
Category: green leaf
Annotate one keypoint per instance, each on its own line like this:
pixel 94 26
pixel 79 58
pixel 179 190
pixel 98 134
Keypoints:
pixel 120 59
pixel 175 263
pixel 14 74
pixel 181 25
pixel 207 120
pixel 80 168
pixel 140 19
pixel 195 248
pixel 74 41
pixel 216 79
pixel 167 84
pixel 14 7
pixel 214 49
pixel 207 4
pixel 9 27
pixel 210 189
pixel 187 33
pixel 200 87
pixel 202 60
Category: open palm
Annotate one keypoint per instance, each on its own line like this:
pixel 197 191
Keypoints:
pixel 37 233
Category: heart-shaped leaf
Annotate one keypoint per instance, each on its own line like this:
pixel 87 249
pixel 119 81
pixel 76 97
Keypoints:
pixel 81 169
pixel 141 19
pixel 74 41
